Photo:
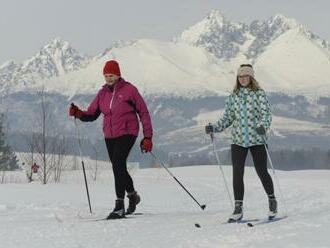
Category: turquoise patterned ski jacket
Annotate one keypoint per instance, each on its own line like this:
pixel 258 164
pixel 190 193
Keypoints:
pixel 245 111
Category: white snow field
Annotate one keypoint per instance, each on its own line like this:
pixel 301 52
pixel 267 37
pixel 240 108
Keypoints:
pixel 56 215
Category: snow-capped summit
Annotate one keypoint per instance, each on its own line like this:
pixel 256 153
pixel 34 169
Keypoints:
pixel 217 35
pixel 212 22
pixel 273 27
pixel 285 21
pixel 56 43
pixel 264 32
pixel 7 70
pixel 227 40
pixel 8 64
pixel 56 58
pixel 216 16
pixel 115 44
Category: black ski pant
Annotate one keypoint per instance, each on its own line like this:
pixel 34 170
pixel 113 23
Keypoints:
pixel 118 150
pixel 259 156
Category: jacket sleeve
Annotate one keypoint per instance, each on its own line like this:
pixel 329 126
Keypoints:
pixel 227 118
pixel 93 111
pixel 266 116
pixel 143 113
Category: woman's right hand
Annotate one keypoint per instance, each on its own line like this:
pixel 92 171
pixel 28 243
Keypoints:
pixel 75 111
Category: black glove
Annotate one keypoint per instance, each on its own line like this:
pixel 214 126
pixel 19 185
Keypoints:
pixel 261 130
pixel 209 129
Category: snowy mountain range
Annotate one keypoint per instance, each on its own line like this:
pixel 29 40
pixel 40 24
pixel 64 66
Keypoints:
pixel 55 59
pixel 228 40
pixel 185 81
pixel 202 60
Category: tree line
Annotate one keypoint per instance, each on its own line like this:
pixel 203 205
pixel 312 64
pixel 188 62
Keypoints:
pixel 298 159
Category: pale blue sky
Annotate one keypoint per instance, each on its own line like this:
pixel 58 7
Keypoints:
pixel 91 26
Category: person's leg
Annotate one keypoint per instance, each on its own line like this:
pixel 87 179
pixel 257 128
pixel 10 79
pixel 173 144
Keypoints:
pixel 110 145
pixel 259 155
pixel 121 150
pixel 126 141
pixel 118 150
pixel 238 156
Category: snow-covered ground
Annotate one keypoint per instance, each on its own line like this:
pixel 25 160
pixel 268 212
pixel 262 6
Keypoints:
pixel 56 215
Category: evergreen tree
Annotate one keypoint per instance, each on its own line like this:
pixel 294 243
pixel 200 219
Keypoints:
pixel 8 159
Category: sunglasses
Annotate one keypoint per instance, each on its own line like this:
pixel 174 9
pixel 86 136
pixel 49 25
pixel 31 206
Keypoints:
pixel 248 65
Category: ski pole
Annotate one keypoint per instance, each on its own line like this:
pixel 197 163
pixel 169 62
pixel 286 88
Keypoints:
pixel 220 166
pixel 83 165
pixel 169 172
pixel 275 176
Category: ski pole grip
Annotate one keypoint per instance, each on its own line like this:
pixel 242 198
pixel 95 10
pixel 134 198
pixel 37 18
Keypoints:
pixel 72 105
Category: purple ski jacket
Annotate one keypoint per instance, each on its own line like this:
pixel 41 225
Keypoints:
pixel 120 105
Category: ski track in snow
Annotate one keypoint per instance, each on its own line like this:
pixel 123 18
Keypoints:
pixel 56 215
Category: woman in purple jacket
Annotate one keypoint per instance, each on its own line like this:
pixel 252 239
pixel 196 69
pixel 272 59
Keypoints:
pixel 120 103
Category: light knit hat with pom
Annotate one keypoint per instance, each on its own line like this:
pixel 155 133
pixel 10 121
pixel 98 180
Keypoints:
pixel 245 70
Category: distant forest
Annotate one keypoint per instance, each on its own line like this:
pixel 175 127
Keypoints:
pixel 282 159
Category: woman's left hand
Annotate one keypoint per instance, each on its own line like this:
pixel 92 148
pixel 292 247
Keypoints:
pixel 146 145
pixel 261 130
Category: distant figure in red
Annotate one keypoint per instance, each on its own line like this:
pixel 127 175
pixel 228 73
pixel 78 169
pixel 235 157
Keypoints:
pixel 35 168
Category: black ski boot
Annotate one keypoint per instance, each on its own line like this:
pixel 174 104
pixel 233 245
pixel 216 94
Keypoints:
pixel 237 215
pixel 119 211
pixel 272 207
pixel 133 200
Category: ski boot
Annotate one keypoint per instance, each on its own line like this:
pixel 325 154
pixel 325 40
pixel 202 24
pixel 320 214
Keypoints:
pixel 237 215
pixel 119 211
pixel 272 207
pixel 133 200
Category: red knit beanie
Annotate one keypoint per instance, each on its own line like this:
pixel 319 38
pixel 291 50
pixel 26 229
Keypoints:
pixel 111 67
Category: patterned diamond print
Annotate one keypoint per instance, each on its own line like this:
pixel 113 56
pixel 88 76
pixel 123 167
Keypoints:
pixel 245 111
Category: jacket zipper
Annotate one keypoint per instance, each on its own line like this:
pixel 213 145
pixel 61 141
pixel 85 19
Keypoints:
pixel 111 102
pixel 113 96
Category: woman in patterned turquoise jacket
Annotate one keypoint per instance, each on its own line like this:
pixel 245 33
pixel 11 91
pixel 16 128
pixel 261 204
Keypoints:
pixel 248 112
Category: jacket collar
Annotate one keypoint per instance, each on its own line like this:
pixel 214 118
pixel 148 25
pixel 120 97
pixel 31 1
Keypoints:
pixel 120 83
pixel 244 91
